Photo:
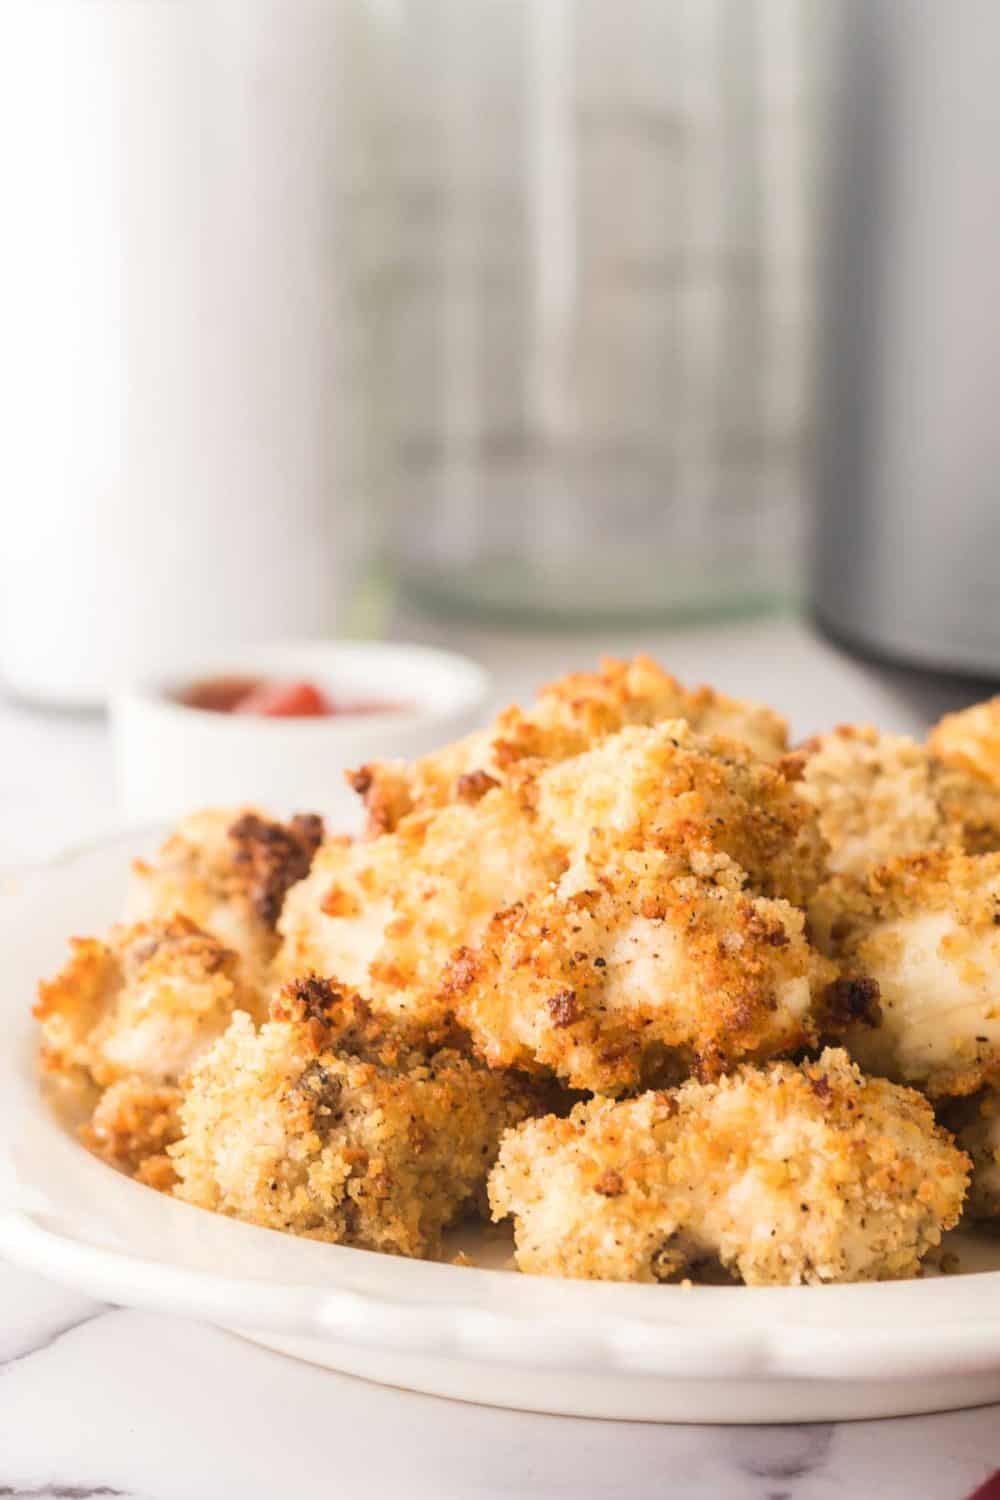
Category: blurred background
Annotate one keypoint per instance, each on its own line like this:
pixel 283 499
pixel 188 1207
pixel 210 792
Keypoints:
pixel 530 328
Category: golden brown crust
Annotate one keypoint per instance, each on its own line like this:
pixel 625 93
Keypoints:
pixel 881 795
pixel 131 1127
pixel 140 1002
pixel 229 871
pixel 783 1174
pixel 130 1015
pixel 571 715
pixel 649 972
pixel 385 916
pixel 653 787
pixel 331 1015
pixel 970 741
pixel 345 1132
pixel 925 927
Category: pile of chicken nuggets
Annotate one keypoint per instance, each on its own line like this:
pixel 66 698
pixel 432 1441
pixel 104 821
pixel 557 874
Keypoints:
pixel 678 1000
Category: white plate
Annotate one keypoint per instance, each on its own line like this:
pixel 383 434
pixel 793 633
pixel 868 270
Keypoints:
pixel 703 1354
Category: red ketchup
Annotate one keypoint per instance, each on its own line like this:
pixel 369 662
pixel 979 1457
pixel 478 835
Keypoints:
pixel 271 698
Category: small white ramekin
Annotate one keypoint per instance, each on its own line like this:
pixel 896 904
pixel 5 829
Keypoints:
pixel 171 759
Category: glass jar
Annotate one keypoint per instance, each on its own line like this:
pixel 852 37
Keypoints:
pixel 594 333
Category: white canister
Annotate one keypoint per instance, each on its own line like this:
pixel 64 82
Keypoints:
pixel 186 205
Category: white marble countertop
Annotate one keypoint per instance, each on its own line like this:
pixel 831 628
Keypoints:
pixel 99 1401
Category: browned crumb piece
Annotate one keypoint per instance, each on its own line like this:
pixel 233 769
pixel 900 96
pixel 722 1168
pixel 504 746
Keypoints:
pixel 229 871
pixel 648 973
pixel 879 796
pixel 571 715
pixel 157 1172
pixel 782 1174
pixel 133 1124
pixel 473 785
pixel 274 856
pixel 331 1123
pixel 851 1000
pixel 131 1015
pixel 925 928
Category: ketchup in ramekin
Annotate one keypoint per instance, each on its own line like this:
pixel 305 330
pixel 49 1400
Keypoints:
pixel 275 698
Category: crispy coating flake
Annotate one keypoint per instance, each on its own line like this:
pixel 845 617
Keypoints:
pixel 648 973
pixel 331 1123
pixel 927 928
pixel 881 795
pixel 976 1123
pixel 570 715
pixel 384 916
pixel 130 1015
pixel 229 871
pixel 783 1174
pixel 970 740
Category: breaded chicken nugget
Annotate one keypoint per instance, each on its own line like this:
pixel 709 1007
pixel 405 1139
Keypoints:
pixel 926 929
pixel 783 1174
pixel 383 916
pixel 570 715
pixel 648 973
pixel 145 1002
pixel 228 870
pixel 131 1015
pixel 976 1123
pixel 330 1123
pixel 970 740
pixel 647 787
pixel 881 795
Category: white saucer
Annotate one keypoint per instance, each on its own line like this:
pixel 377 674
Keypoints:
pixel 701 1354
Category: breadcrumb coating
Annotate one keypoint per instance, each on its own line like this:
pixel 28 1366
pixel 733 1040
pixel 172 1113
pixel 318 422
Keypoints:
pixel 648 973
pixel 132 1125
pixel 882 795
pixel 228 870
pixel 570 715
pixel 650 787
pixel 925 927
pixel 331 1123
pixel 782 1174
pixel 130 1015
pixel 144 1002
pixel 970 740
pixel 384 916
